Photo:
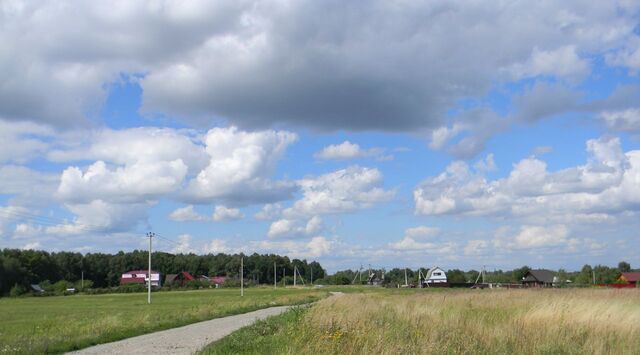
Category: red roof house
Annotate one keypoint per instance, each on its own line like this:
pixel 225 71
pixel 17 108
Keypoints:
pixel 218 280
pixel 140 277
pixel 181 278
pixel 630 277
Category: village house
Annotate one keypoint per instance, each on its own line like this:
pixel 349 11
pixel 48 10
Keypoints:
pixel 217 280
pixel 539 278
pixel 140 277
pixel 629 277
pixel 435 277
pixel 180 279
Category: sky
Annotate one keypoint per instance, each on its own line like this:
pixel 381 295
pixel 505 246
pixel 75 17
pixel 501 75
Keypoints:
pixel 382 133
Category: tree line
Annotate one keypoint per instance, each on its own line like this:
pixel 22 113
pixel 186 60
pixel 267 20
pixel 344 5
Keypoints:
pixel 599 274
pixel 22 268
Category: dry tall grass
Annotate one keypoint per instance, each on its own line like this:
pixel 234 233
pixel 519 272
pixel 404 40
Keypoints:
pixel 481 322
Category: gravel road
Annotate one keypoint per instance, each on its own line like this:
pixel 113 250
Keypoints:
pixel 183 340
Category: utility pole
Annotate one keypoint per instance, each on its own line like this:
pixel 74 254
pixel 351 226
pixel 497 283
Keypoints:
pixel 242 276
pixel 150 235
pixel 593 272
pixel 406 281
pixel 483 273
pixel 275 276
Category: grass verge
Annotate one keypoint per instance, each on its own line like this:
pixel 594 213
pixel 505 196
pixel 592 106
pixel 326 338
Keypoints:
pixel 58 324
pixel 268 336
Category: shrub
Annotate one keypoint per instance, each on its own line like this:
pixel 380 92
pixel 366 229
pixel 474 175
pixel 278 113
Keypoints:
pixel 83 285
pixel 18 290
pixel 61 286
pixel 231 283
pixel 131 288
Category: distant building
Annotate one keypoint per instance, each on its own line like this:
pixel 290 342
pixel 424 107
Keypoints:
pixel 539 278
pixel 140 277
pixel 217 280
pixel 435 276
pixel 629 277
pixel 178 279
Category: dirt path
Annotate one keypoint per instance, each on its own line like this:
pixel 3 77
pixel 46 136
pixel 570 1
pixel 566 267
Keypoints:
pixel 183 340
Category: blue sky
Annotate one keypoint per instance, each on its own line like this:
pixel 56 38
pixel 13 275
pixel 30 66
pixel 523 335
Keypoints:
pixel 416 134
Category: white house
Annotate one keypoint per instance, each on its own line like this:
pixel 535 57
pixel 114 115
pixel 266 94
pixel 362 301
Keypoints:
pixel 436 275
pixel 140 277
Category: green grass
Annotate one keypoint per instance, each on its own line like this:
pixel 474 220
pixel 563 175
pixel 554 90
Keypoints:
pixel 585 321
pixel 57 324
pixel 268 336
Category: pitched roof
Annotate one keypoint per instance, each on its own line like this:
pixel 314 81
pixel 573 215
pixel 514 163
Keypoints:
pixel 140 272
pixel 173 277
pixel 218 279
pixel 430 272
pixel 541 275
pixel 631 276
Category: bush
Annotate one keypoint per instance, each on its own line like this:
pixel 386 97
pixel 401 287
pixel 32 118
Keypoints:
pixel 61 286
pixel 131 288
pixel 81 286
pixel 231 283
pixel 18 290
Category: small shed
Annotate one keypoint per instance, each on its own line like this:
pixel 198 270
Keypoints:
pixel 629 277
pixel 539 278
pixel 178 279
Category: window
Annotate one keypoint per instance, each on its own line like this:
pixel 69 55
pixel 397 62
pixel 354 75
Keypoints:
pixel 437 274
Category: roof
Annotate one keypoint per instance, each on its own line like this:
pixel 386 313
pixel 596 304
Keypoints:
pixel 541 275
pixel 182 275
pixel 428 276
pixel 218 279
pixel 631 276
pixel 37 288
pixel 140 272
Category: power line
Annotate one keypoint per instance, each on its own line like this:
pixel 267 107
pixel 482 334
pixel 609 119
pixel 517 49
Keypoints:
pixel 48 222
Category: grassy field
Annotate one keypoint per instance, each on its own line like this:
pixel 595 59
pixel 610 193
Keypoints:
pixel 585 321
pixel 57 324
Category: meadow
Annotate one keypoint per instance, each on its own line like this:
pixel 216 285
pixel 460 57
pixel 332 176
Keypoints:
pixel 35 325
pixel 549 321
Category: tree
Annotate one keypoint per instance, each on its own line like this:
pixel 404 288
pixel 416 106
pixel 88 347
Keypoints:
pixel 456 276
pixel 585 277
pixel 624 266
pixel 518 274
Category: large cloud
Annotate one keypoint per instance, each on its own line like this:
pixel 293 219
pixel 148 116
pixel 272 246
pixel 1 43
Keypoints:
pixel 359 66
pixel 344 190
pixel 606 185
pixel 131 146
pixel 240 166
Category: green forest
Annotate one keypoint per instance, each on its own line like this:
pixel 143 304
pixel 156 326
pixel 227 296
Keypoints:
pixel 21 268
